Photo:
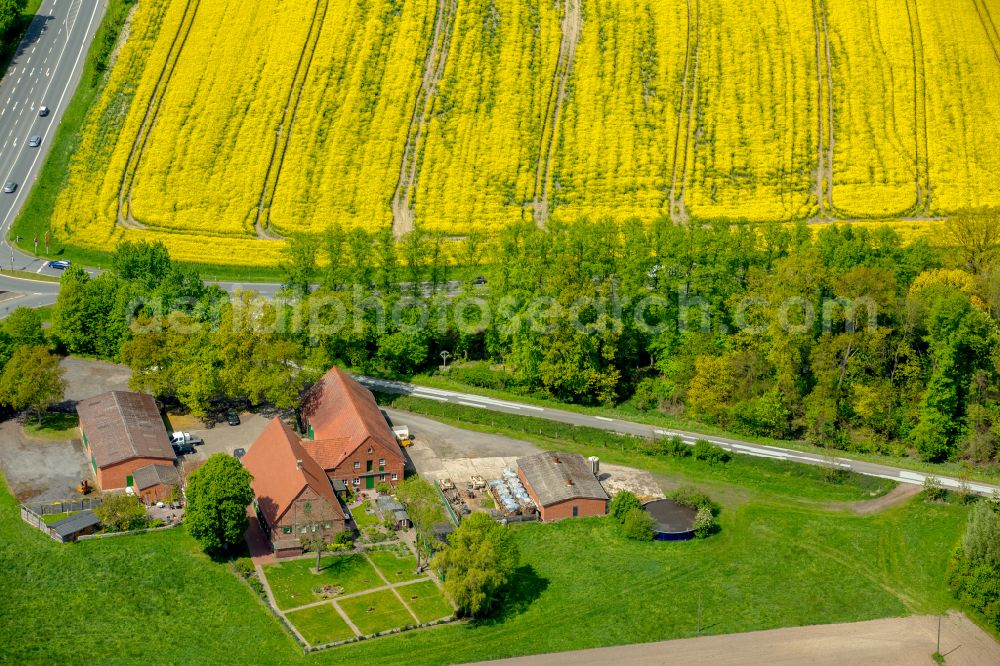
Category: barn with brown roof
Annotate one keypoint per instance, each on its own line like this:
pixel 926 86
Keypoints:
pixel 156 483
pixel 562 485
pixel 122 431
pixel 293 495
pixel 347 434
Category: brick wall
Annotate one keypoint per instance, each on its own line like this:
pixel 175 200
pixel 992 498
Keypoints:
pixel 347 472
pixel 116 476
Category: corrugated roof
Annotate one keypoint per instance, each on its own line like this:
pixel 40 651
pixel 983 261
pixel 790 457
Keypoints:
pixel 277 478
pixel 151 475
pixel 75 523
pixel 121 425
pixel 556 477
pixel 344 415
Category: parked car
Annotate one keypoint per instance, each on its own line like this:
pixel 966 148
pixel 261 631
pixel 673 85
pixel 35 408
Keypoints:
pixel 232 418
pixel 185 439
pixel 239 453
pixel 183 449
pixel 59 264
pixel 9 186
pixel 43 111
pixel 34 141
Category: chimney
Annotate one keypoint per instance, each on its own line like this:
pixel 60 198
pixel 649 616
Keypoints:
pixel 298 464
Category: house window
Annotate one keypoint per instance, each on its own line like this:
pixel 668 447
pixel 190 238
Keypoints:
pixel 395 478
pixel 286 530
pixel 305 528
pixel 356 481
pixel 381 477
pixel 371 450
pixel 381 461
pixel 576 511
pixel 357 464
pixel 326 526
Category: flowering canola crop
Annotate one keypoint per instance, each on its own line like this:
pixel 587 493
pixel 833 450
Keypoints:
pixel 221 131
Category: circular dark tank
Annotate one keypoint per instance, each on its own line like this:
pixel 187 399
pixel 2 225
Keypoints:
pixel 673 521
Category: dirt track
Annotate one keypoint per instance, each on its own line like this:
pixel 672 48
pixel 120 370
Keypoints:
pixel 909 640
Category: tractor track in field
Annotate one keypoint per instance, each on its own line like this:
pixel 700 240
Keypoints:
pixel 989 27
pixel 434 64
pixel 283 134
pixel 572 25
pixel 922 170
pixel 125 217
pixel 685 116
pixel 824 115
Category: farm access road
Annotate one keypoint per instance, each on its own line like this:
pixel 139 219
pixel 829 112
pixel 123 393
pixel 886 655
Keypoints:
pixel 897 474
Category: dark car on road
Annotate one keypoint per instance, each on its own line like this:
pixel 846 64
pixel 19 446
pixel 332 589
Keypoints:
pixel 239 453
pixel 232 418
pixel 60 264
pixel 34 142
pixel 183 449
pixel 43 111
pixel 9 186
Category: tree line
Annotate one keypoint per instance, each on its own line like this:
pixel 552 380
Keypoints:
pixel 843 336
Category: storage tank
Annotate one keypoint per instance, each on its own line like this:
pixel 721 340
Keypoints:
pixel 595 464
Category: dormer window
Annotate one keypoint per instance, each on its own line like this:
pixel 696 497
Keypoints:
pixel 371 450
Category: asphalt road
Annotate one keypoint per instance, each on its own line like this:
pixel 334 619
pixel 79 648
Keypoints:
pixel 897 474
pixel 44 72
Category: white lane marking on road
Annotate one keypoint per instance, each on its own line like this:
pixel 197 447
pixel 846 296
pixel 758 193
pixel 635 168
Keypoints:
pixel 431 397
pixel 45 134
pixel 603 418
pixel 471 404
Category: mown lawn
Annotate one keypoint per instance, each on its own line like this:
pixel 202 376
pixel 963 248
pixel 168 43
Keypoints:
pixel 294 584
pixel 320 624
pixel 426 600
pixel 362 517
pixel 376 612
pixel 50 518
pixel 396 564
pixel 156 598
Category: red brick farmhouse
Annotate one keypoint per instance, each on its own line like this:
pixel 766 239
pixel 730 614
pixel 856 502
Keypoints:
pixel 122 432
pixel 563 485
pixel 294 496
pixel 347 434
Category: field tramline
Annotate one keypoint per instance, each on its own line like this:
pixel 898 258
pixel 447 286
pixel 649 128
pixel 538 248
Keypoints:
pixel 221 131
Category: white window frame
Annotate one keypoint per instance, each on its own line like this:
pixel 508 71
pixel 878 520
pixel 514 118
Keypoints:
pixel 357 464
pixel 356 481
pixel 395 477
pixel 381 462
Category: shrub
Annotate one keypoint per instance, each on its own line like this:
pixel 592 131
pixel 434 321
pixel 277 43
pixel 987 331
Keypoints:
pixel 344 538
pixel 671 446
pixel 623 503
pixel 710 453
pixel 694 498
pixel 933 491
pixel 704 523
pixel 383 488
pixel 121 513
pixel 638 525
pixel 244 567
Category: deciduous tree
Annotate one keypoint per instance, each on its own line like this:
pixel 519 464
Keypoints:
pixel 218 493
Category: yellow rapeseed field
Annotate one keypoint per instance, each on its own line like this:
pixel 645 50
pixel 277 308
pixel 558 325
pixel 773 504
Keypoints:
pixel 222 131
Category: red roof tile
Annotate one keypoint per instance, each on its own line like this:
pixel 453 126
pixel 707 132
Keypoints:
pixel 344 413
pixel 277 478
pixel 329 452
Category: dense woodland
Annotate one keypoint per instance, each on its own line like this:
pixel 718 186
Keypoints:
pixel 734 325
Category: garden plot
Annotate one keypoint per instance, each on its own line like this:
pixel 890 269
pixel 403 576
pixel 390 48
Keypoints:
pixel 294 583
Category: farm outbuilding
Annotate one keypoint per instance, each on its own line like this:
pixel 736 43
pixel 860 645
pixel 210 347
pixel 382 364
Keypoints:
pixel 156 483
pixel 75 526
pixel 122 431
pixel 562 485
